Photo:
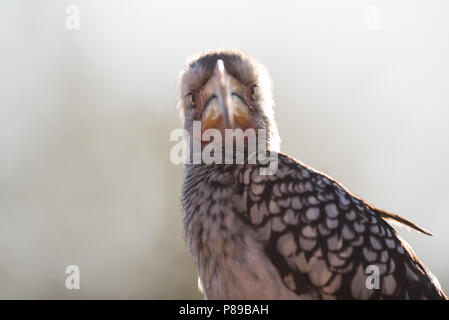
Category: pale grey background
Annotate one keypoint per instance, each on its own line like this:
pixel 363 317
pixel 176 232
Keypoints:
pixel 85 118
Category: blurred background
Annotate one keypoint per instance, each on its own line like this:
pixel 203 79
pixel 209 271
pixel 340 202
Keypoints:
pixel 362 93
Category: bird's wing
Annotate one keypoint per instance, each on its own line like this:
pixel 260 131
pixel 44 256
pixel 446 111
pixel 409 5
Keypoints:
pixel 401 221
pixel 325 240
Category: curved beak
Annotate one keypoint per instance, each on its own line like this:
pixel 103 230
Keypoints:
pixel 221 88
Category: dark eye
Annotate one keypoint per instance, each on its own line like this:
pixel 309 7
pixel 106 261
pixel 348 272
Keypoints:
pixel 253 92
pixel 192 99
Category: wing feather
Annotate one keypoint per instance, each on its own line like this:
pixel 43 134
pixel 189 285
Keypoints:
pixel 324 240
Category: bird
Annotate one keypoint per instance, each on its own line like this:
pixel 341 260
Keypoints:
pixel 296 234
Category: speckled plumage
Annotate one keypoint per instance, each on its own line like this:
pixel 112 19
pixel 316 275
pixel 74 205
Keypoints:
pixel 296 234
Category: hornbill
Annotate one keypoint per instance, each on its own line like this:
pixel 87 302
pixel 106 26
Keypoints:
pixel 292 234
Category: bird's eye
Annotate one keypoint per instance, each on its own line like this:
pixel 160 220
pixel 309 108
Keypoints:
pixel 192 99
pixel 253 92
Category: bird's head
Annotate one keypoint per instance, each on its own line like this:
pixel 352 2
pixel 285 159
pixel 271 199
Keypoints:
pixel 227 89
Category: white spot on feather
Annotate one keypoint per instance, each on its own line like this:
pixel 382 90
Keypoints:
pixel 289 281
pixel 306 244
pixel 390 243
pixel 348 234
pixel 257 189
pixel 277 224
pixel 332 223
pixel 273 207
pixel 301 262
pixel 286 244
pixel 335 260
pixel 312 213
pixel 331 210
pixel 370 255
pixel 334 243
pixel 358 287
pixel 296 203
pixel 375 243
pixel 319 273
pixel 255 215
pixel 389 285
pixel 309 231
pixel 290 217
pixel 351 215
pixel 358 227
